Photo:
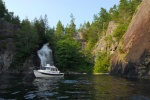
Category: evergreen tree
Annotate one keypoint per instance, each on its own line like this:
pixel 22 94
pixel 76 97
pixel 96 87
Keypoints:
pixel 26 42
pixel 88 25
pixel 70 58
pixel 3 10
pixel 133 5
pixel 59 30
pixel 40 28
pixel 72 24
pixel 16 20
pixel 114 13
pixel 124 11
pixel 102 63
pixel 67 54
pixel 27 37
pixel 50 37
pixel 84 31
pixel 71 29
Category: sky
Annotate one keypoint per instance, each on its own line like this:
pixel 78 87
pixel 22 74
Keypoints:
pixel 82 10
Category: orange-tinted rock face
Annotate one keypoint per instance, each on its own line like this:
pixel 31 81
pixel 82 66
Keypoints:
pixel 136 46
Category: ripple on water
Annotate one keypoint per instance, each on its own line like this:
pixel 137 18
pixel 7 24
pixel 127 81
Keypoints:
pixel 29 96
pixel 46 94
pixel 70 81
pixel 41 94
pixel 16 92
pixel 62 97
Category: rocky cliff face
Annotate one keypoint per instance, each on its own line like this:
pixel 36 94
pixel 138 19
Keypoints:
pixel 6 53
pixel 135 57
pixel 7 47
pixel 105 40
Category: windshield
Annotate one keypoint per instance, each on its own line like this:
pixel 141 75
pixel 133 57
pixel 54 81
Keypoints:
pixel 54 69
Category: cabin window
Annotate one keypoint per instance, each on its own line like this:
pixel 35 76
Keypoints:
pixel 48 68
pixel 43 68
pixel 53 69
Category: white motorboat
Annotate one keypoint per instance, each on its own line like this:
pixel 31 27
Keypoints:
pixel 48 71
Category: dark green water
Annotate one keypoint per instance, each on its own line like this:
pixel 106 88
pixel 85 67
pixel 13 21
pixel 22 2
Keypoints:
pixel 73 87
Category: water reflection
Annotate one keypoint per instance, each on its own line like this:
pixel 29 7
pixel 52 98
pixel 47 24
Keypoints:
pixel 112 87
pixel 44 88
pixel 43 84
pixel 78 89
pixel 73 87
pixel 120 89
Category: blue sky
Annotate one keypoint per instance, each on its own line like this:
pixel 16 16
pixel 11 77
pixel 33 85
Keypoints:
pixel 82 10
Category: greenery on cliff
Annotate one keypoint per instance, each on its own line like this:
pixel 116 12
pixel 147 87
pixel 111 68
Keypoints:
pixel 71 53
pixel 91 33
pixel 8 16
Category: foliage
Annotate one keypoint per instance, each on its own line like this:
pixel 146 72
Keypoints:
pixel 109 38
pixel 26 42
pixel 50 36
pixel 122 14
pixel 70 58
pixel 114 13
pixel 109 41
pixel 102 63
pixel 124 11
pixel 120 30
pixel 120 50
pixel 67 54
pixel 87 63
pixel 59 33
pixel 102 19
pixel 84 29
pixel 91 33
pixel 8 16
pixel 4 46
pixel 88 25
pixel 41 27
pixel 2 9
pixel 70 30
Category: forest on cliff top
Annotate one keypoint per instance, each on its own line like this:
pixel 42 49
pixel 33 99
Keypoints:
pixel 72 48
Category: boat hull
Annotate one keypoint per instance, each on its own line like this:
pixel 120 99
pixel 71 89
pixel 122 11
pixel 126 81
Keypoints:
pixel 40 74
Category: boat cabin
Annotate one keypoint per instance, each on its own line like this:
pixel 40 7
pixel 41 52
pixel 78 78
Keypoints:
pixel 51 68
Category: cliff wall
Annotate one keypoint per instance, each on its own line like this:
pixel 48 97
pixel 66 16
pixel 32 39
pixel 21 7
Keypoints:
pixel 105 40
pixel 134 61
pixel 8 32
pixel 7 47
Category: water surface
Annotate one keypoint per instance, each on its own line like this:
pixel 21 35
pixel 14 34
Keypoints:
pixel 73 87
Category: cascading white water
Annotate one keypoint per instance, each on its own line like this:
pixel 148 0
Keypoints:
pixel 45 55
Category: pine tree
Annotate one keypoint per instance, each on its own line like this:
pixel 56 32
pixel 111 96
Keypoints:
pixel 40 28
pixel 88 24
pixel 3 10
pixel 71 29
pixel 27 41
pixel 59 33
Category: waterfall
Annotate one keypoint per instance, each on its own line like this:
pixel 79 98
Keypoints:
pixel 45 55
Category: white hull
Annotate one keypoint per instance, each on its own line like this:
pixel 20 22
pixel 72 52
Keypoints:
pixel 39 74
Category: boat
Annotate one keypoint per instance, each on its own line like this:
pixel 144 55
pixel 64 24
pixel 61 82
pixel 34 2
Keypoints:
pixel 48 71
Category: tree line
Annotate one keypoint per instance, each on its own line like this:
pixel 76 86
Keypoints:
pixel 68 52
